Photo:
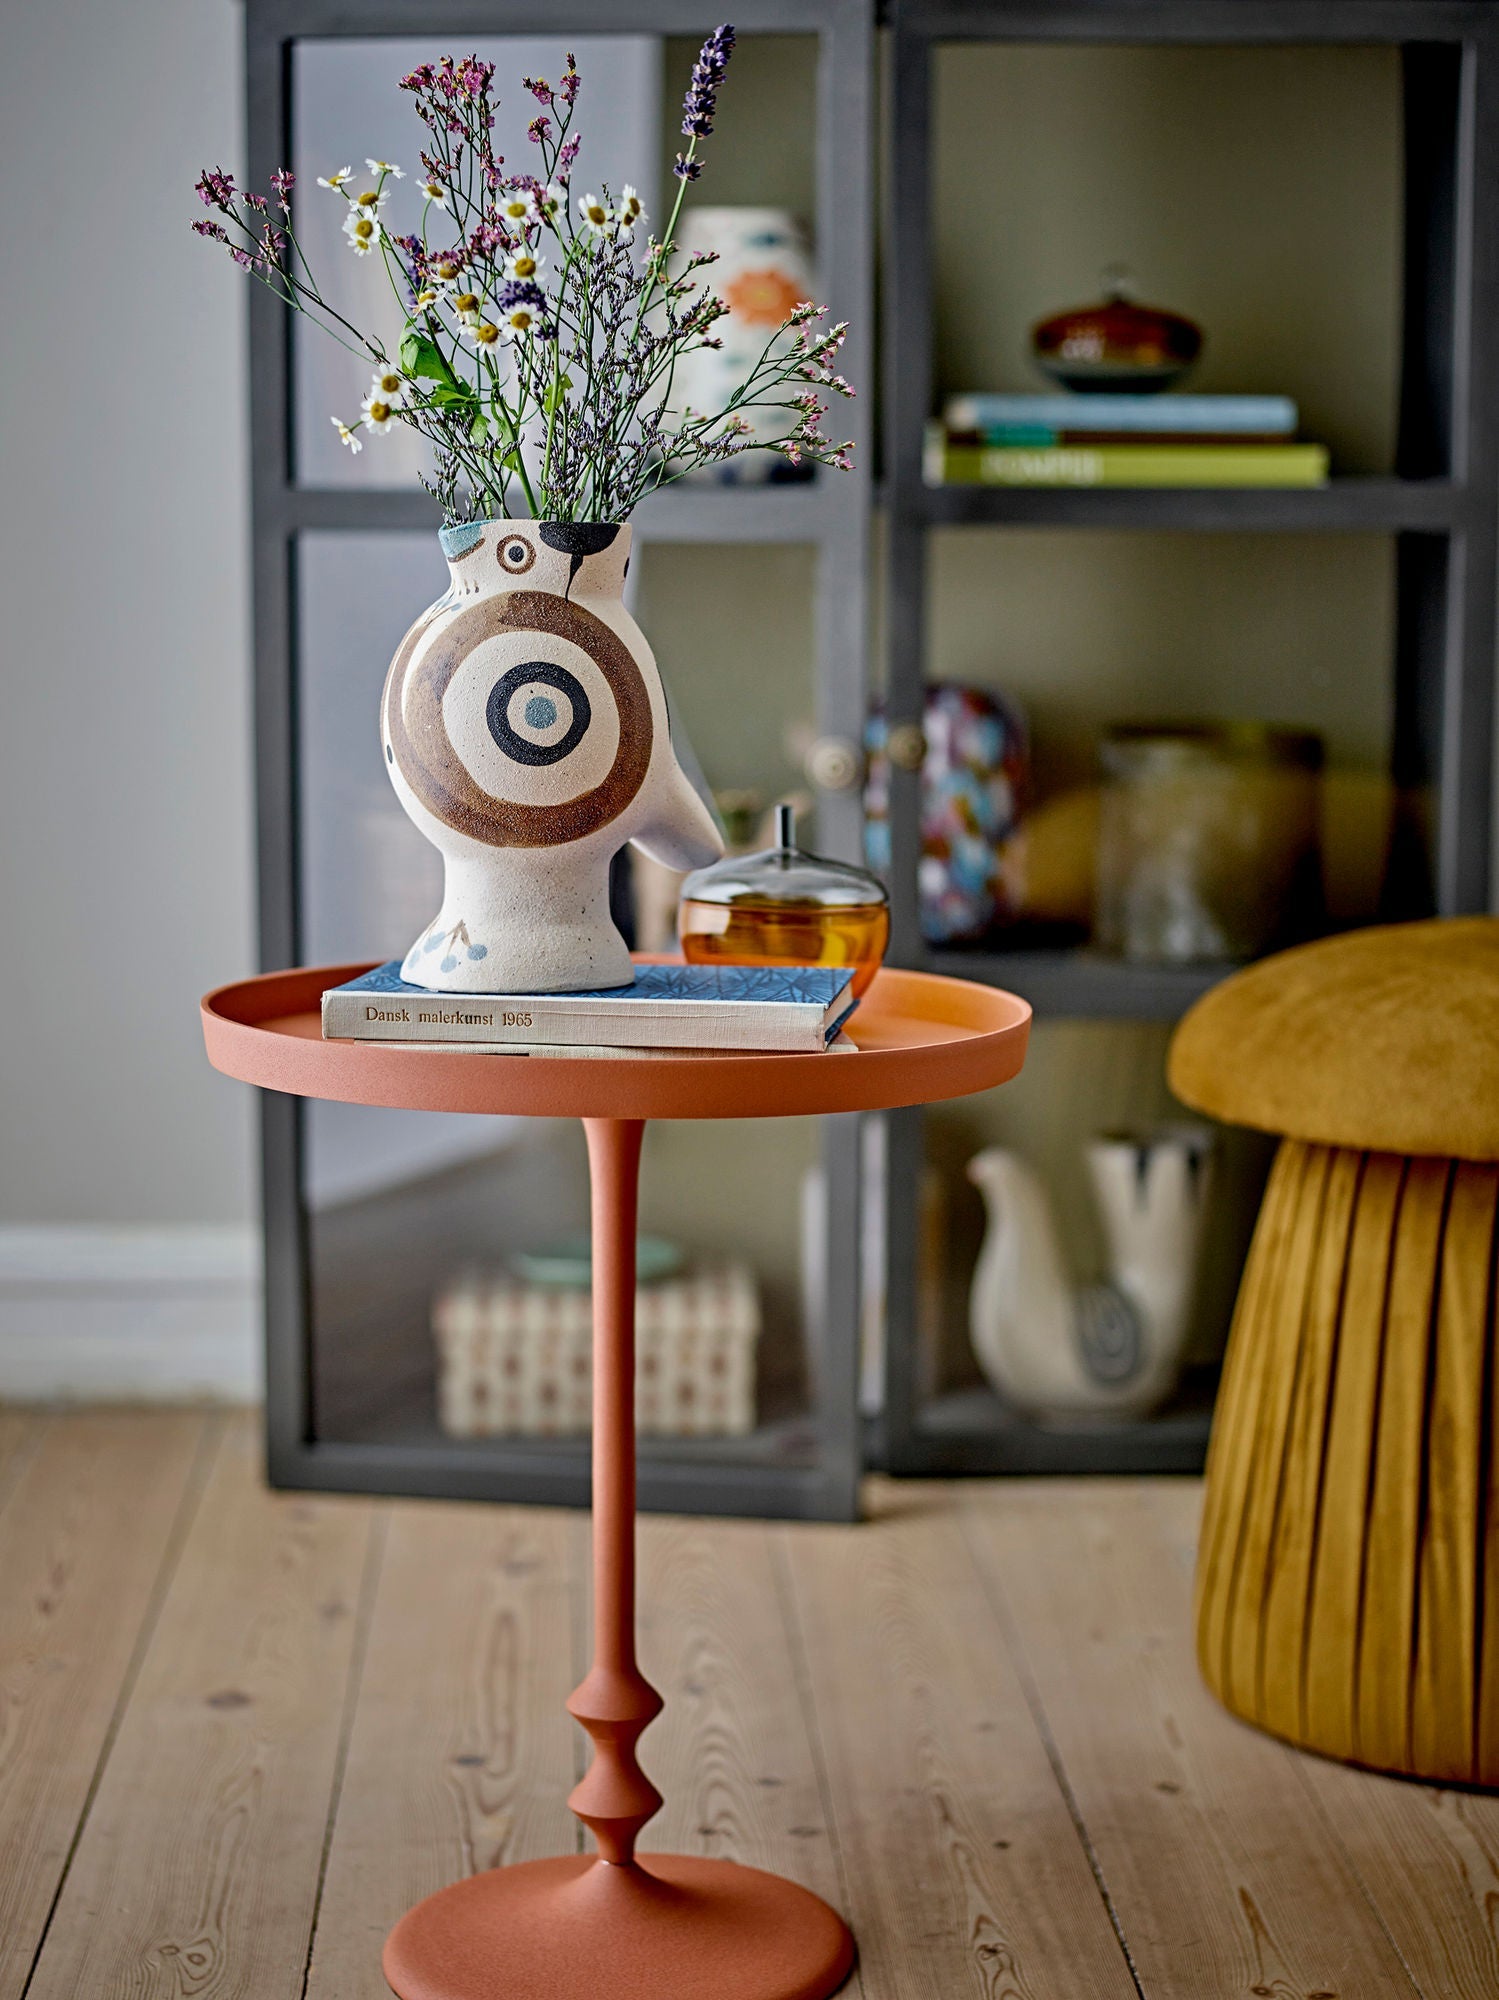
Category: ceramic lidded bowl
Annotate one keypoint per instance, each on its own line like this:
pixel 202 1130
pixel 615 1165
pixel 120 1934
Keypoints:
pixel 526 733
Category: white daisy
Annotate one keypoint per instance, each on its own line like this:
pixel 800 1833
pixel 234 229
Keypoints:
pixel 432 189
pixel 523 263
pixel 385 167
pixel 517 205
pixel 519 321
pixel 485 337
pixel 467 306
pixel 631 207
pixel 378 414
pixel 426 300
pixel 362 231
pixel 596 216
pixel 349 437
pixel 388 386
pixel 369 201
pixel 335 181
pixel 446 270
pixel 549 202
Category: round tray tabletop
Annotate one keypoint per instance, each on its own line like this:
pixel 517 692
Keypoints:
pixel 919 1038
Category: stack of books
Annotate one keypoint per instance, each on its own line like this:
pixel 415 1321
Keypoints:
pixel 1121 440
pixel 670 1009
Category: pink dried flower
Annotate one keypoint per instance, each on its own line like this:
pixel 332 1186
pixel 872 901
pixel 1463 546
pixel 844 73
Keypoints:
pixel 215 188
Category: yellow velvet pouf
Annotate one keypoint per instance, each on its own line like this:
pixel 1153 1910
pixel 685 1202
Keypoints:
pixel 1348 1576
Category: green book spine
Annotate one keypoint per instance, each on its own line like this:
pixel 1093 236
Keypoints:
pixel 1127 465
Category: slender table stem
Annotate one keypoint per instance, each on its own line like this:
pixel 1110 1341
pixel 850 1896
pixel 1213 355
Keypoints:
pixel 615 1702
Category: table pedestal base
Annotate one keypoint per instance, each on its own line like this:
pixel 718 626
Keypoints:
pixel 669 1927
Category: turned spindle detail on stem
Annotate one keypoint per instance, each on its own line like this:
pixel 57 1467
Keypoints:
pixel 615 1701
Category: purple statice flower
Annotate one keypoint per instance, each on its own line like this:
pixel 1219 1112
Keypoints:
pixel 421 78
pixel 567 90
pixel 701 100
pixel 204 227
pixel 474 77
pixel 539 88
pixel 415 253
pixel 521 292
pixel 566 157
pixel 215 188
pixel 283 181
pixel 258 202
pixel 685 169
pixel 539 131
pixel 241 257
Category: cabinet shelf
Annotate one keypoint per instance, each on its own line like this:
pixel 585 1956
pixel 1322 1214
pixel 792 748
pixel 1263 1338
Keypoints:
pixel 970 1431
pixel 805 512
pixel 1084 984
pixel 1368 505
pixel 776 1469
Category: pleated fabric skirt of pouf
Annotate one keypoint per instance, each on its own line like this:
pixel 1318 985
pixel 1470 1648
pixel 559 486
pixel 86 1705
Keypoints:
pixel 1347 1583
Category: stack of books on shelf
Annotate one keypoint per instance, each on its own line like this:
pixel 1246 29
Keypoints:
pixel 670 1010
pixel 1121 440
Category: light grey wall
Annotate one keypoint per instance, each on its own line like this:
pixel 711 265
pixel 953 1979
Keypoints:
pixel 125 872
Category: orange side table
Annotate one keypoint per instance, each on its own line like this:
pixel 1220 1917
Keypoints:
pixel 665 1927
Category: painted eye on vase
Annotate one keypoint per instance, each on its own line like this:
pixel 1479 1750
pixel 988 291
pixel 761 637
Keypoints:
pixel 516 554
pixel 538 713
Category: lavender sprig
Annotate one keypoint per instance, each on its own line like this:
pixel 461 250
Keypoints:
pixel 701 101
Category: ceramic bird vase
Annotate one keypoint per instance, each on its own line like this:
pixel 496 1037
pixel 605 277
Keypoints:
pixel 526 733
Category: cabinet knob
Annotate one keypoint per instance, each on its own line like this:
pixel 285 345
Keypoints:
pixel 906 746
pixel 833 764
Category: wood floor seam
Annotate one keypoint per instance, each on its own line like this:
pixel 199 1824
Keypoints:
pixel 369 1582
pixel 34 1428
pixel 1330 1826
pixel 993 1597
pixel 806 1696
pixel 210 1442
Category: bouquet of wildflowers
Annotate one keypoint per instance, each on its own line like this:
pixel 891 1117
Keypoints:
pixel 540 330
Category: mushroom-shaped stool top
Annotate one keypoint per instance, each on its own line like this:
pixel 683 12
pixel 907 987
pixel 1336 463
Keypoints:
pixel 1386 1040
pixel 1345 1594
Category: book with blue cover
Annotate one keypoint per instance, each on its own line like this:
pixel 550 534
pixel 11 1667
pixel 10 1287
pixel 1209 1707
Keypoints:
pixel 1273 416
pixel 788 1009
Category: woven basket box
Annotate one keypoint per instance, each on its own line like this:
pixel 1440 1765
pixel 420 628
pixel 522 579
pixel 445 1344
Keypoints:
pixel 515 1359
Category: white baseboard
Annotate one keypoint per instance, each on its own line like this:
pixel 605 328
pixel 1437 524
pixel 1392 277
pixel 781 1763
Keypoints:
pixel 164 1315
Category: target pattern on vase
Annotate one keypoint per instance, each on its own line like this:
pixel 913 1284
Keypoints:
pixel 523 722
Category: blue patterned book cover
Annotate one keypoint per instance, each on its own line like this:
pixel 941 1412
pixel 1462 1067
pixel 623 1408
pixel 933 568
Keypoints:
pixel 786 1008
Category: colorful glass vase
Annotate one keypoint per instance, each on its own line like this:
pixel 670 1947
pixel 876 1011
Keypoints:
pixel 784 906
pixel 974 775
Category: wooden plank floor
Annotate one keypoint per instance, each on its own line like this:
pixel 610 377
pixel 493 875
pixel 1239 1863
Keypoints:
pixel 240 1732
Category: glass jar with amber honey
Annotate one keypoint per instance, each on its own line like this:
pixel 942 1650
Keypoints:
pixel 785 907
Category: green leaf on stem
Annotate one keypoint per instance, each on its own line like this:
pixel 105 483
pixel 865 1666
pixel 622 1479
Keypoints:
pixel 424 359
pixel 556 395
